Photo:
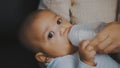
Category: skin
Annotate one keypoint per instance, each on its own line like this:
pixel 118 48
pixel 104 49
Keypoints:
pixel 108 40
pixel 49 32
pixel 87 53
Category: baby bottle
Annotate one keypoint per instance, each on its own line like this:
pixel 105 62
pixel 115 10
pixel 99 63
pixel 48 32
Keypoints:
pixel 84 32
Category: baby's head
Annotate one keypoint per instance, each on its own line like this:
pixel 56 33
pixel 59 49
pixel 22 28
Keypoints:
pixel 46 33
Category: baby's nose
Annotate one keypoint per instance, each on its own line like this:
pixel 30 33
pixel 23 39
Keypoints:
pixel 62 30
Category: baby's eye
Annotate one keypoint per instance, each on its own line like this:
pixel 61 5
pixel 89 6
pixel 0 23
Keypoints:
pixel 50 35
pixel 59 21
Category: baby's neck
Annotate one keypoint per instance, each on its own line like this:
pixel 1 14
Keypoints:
pixel 73 50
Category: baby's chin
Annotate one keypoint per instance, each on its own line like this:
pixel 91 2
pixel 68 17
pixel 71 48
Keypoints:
pixel 59 55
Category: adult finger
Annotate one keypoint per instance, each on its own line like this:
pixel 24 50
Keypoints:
pixel 98 38
pixel 113 48
pixel 105 43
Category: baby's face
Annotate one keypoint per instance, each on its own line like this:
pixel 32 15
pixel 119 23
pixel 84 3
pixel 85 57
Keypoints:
pixel 51 33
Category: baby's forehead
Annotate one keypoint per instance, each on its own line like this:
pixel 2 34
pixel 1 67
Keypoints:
pixel 39 25
pixel 46 13
pixel 42 21
pixel 45 18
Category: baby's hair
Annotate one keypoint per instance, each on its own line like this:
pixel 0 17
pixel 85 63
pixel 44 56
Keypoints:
pixel 23 37
pixel 23 30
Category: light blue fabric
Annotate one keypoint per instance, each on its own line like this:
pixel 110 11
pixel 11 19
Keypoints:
pixel 68 61
pixel 102 61
pixel 72 61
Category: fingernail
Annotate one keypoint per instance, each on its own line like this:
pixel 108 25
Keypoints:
pixel 90 48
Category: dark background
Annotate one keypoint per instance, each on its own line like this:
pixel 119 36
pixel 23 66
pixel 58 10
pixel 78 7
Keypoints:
pixel 118 11
pixel 12 53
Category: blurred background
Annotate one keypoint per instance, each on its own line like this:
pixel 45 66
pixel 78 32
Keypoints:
pixel 12 53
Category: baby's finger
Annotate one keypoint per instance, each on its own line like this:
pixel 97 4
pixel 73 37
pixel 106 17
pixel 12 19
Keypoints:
pixel 93 53
pixel 89 48
pixel 83 44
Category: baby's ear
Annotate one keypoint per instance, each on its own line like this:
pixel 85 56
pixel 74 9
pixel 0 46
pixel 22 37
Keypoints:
pixel 41 57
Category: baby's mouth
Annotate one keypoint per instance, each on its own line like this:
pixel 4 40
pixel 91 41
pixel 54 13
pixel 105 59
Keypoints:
pixel 67 30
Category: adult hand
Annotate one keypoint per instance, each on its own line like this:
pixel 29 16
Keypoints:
pixel 108 39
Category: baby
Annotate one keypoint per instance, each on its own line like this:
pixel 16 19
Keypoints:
pixel 47 34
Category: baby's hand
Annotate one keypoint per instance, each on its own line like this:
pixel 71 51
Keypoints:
pixel 87 53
